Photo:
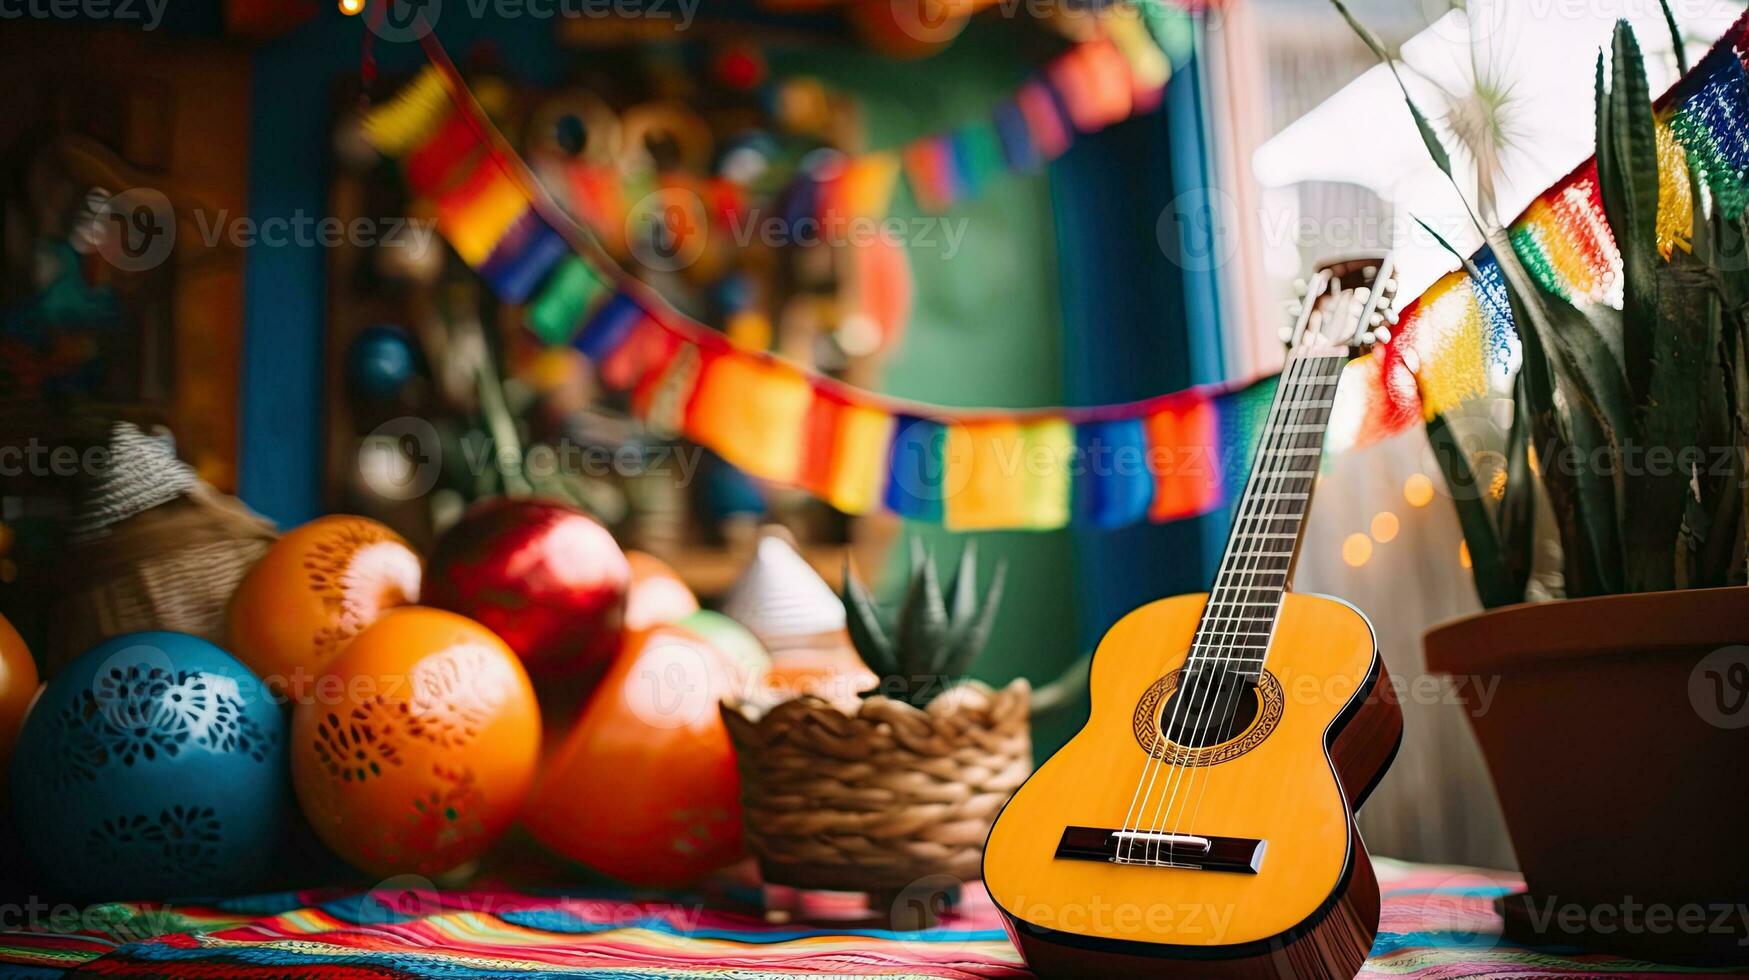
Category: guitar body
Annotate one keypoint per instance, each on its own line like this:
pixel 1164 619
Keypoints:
pixel 1320 738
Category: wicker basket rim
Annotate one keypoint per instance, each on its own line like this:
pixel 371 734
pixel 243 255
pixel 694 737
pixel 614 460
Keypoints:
pixel 944 705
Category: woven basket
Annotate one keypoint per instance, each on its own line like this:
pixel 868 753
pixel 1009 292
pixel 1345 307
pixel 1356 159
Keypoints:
pixel 172 567
pixel 876 800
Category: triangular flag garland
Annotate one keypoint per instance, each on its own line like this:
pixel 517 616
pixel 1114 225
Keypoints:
pixel 1094 85
pixel 1458 337
pixel 1164 459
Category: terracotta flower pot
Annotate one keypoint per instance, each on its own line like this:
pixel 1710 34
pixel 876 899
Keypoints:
pixel 1616 730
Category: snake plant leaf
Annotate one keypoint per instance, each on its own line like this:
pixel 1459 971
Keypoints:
pixel 1516 517
pixel 1566 423
pixel 1627 176
pixel 1429 138
pixel 1486 565
pixel 863 622
pixel 1672 419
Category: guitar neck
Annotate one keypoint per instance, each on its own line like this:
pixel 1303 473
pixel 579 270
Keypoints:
pixel 1240 618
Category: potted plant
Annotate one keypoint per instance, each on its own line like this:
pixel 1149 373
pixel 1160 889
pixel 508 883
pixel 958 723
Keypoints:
pixel 900 786
pixel 1620 707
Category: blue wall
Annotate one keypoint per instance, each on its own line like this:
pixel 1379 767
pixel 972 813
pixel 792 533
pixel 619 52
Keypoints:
pixel 1136 324
pixel 285 301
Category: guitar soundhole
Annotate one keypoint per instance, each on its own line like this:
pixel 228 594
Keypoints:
pixel 1208 726
pixel 1211 709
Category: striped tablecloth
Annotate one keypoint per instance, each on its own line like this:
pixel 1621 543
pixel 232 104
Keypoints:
pixel 1437 923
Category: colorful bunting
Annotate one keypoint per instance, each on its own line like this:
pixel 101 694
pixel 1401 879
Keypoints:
pixel 1094 85
pixel 1163 459
pixel 1458 338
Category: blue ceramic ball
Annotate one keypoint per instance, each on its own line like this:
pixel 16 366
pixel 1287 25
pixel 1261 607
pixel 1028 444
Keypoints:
pixel 380 362
pixel 152 767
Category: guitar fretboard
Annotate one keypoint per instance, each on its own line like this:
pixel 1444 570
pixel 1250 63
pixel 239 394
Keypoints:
pixel 1240 618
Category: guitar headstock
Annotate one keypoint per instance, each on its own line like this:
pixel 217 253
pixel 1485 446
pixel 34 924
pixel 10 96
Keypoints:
pixel 1345 304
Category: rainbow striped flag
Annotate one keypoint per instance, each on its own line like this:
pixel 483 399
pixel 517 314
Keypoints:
pixel 1458 339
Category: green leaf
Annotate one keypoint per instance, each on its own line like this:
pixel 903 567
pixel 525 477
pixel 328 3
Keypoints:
pixel 1067 691
pixel 1516 517
pixel 1429 138
pixel 1672 419
pixel 1486 566
pixel 970 641
pixel 922 628
pixel 1675 38
pixel 863 622
pixel 1627 174
pixel 1468 264
pixel 1560 344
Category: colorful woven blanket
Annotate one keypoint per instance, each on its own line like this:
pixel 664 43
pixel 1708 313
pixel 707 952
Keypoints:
pixel 1437 923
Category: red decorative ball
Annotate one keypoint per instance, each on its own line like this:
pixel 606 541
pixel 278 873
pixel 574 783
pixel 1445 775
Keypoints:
pixel 545 577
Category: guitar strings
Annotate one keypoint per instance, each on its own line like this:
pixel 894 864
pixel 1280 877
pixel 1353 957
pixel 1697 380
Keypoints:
pixel 1242 577
pixel 1156 764
pixel 1322 389
pixel 1218 609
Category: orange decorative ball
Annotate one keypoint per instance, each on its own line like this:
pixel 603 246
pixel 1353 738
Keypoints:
pixel 18 685
pixel 644 788
pixel 657 595
pixel 313 591
pixel 416 749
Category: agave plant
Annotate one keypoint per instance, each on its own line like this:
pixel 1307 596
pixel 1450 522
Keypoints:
pixel 1635 419
pixel 930 643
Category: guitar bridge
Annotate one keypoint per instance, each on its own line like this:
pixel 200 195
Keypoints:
pixel 1195 852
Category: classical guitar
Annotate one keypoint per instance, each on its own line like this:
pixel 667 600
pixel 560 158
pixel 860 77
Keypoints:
pixel 1201 824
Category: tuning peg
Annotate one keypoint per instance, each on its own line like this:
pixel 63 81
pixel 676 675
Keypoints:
pixel 1300 287
pixel 1382 335
pixel 1377 319
pixel 1391 317
pixel 1389 287
pixel 1371 272
pixel 1286 334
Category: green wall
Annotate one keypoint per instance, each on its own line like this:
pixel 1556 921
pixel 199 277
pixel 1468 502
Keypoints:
pixel 987 329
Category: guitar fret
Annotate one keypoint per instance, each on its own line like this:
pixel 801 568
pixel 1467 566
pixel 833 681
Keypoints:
pixel 1245 603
